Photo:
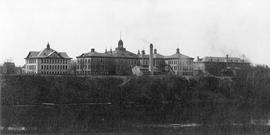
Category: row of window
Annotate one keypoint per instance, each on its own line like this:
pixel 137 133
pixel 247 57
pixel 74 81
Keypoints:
pixel 155 62
pixel 103 60
pixel 31 61
pixel 128 61
pixel 179 62
pixel 54 67
pixel 89 60
pixel 31 67
pixel 95 67
pixel 225 60
pixel 54 61
pixel 145 62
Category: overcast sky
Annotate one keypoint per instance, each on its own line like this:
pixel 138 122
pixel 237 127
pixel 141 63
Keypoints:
pixel 197 27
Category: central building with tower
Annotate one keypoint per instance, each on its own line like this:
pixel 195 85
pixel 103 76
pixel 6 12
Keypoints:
pixel 123 62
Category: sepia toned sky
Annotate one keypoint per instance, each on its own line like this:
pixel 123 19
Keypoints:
pixel 198 27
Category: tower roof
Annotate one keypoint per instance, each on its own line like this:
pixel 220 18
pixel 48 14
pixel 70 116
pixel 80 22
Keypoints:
pixel 120 43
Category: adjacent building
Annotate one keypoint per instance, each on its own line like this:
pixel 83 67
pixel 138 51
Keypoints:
pixel 95 63
pixel 117 62
pixel 47 61
pixel 180 64
pixel 159 62
pixel 8 68
pixel 219 65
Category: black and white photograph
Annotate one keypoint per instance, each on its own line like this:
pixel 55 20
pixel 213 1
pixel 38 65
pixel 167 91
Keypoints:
pixel 135 67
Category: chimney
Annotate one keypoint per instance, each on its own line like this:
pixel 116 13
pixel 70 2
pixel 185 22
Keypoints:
pixel 139 52
pixel 177 51
pixel 155 51
pixel 143 52
pixel 92 50
pixel 106 51
pixel 227 58
pixel 151 59
pixel 198 58
pixel 111 50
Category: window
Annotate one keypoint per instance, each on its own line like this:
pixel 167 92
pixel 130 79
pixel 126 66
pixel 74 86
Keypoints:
pixel 32 67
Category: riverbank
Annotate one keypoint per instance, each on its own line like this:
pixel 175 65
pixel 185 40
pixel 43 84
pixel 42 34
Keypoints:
pixel 57 103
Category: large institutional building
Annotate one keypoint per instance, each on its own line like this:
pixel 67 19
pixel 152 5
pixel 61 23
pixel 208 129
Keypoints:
pixel 121 61
pixel 180 63
pixel 47 61
pixel 219 65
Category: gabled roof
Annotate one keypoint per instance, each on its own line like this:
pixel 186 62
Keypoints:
pixel 178 55
pixel 64 54
pixel 143 56
pixel 95 54
pixel 124 54
pixel 32 54
pixel 47 52
pixel 155 56
pixel 158 56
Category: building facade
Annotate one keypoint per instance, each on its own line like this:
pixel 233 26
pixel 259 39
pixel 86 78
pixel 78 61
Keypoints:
pixel 218 65
pixel 117 62
pixel 121 62
pixel 180 63
pixel 95 63
pixel 158 61
pixel 124 60
pixel 47 61
pixel 9 68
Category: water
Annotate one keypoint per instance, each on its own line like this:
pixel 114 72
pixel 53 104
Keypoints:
pixel 108 118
